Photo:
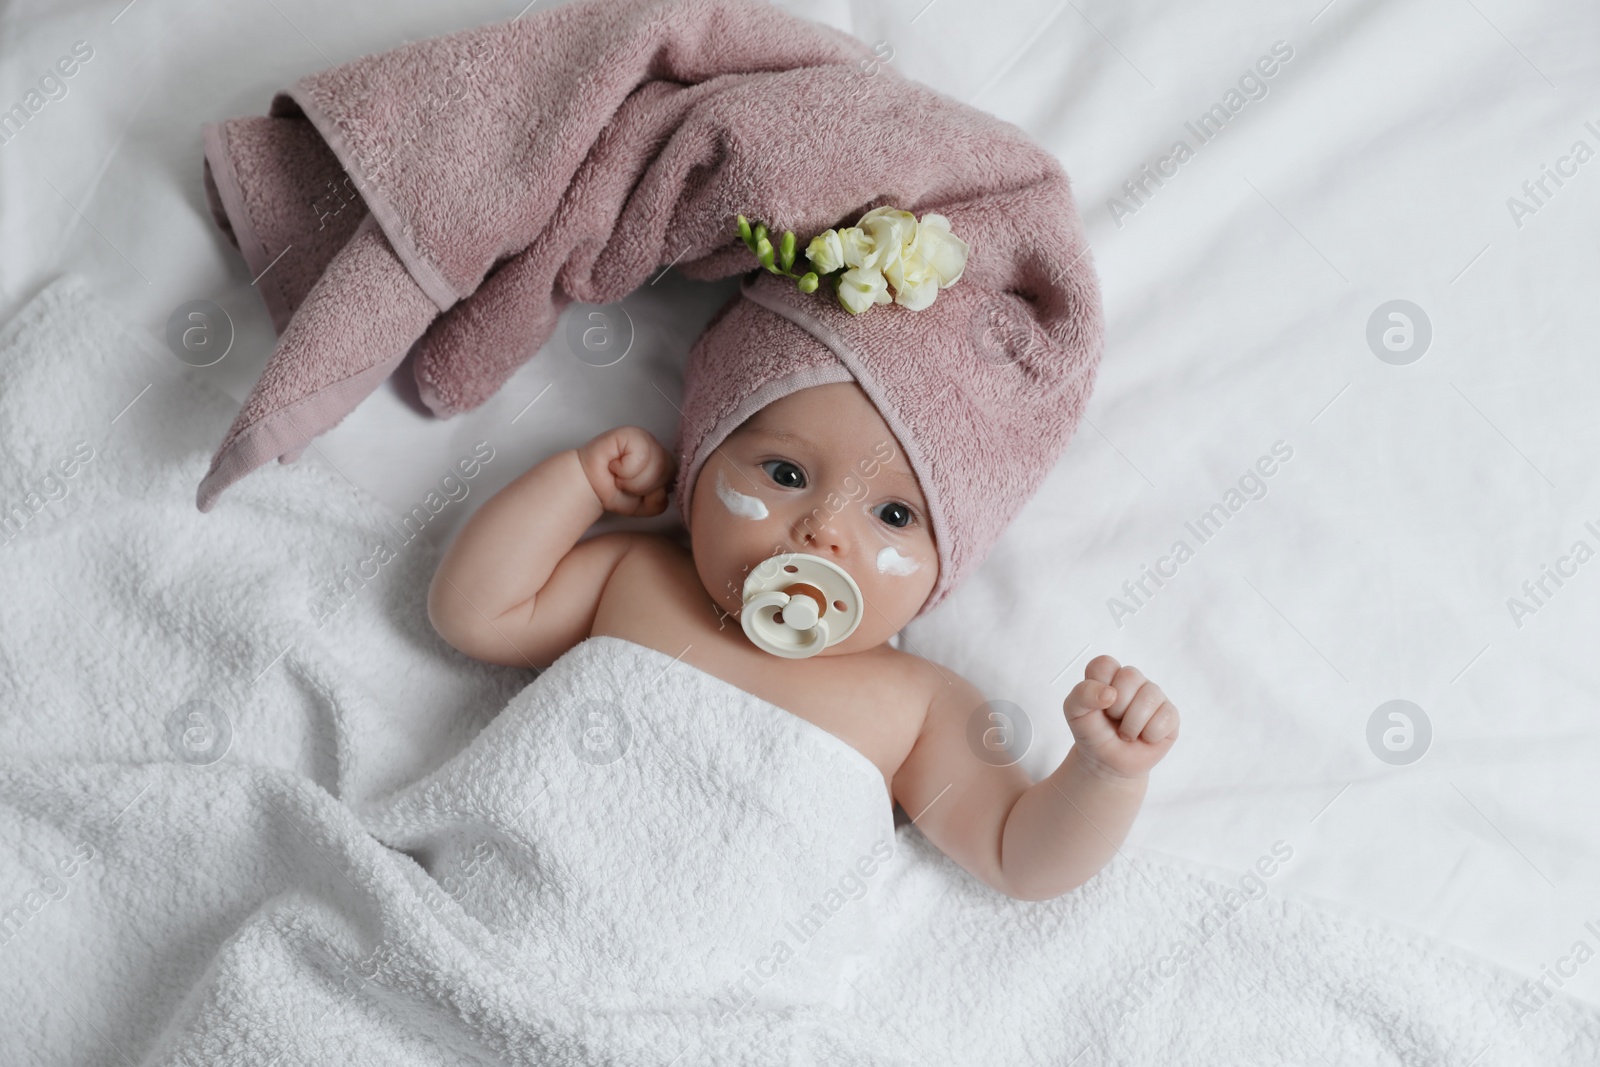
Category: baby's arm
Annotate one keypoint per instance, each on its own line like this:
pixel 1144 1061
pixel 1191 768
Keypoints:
pixel 1037 841
pixel 512 589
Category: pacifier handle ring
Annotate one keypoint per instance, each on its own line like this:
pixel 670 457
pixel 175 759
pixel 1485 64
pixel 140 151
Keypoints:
pixel 771 598
pixel 819 635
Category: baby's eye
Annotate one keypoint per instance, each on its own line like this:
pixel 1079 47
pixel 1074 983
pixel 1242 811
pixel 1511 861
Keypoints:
pixel 898 515
pixel 791 478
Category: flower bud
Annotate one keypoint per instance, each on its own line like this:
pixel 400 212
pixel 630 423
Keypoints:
pixel 826 252
pixel 808 282
pixel 786 250
pixel 764 251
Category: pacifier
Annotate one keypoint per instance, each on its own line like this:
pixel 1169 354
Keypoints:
pixel 797 604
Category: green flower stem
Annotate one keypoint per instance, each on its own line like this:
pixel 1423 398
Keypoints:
pixel 781 260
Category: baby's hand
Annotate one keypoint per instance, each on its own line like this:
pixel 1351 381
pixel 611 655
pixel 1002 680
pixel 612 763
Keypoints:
pixel 1123 724
pixel 629 471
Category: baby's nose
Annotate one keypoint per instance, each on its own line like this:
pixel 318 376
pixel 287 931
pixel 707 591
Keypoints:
pixel 822 536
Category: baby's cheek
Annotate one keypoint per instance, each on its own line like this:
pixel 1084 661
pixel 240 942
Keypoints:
pixel 898 577
pixel 890 561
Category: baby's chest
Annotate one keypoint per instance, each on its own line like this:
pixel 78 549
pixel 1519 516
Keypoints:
pixel 873 702
pixel 873 711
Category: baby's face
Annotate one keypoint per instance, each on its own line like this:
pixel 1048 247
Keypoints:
pixel 818 471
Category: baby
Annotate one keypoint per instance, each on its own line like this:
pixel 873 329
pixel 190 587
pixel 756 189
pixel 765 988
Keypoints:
pixel 516 587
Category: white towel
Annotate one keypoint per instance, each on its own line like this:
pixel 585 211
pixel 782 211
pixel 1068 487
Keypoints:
pixel 673 832
pixel 122 605
pixel 632 861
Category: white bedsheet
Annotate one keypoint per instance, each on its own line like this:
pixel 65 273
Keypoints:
pixel 1418 498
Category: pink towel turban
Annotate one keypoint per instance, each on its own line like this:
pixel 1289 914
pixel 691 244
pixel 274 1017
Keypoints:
pixel 448 198
pixel 983 388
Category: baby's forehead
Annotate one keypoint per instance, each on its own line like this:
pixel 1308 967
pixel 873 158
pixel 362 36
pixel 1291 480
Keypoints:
pixel 827 422
pixel 821 411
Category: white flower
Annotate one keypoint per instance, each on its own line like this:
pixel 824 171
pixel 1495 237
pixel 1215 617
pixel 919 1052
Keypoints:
pixel 888 249
pixel 931 260
pixel 891 231
pixel 944 253
pixel 826 252
pixel 862 287
pixel 857 247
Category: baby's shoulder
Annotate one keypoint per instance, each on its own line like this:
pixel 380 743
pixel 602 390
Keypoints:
pixel 652 556
pixel 937 711
pixel 910 664
pixel 919 681
pixel 944 698
pixel 654 596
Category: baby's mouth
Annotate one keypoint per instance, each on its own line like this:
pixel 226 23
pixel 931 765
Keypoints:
pixel 795 604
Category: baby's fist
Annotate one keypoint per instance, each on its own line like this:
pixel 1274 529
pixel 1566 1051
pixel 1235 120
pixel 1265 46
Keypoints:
pixel 1123 723
pixel 629 471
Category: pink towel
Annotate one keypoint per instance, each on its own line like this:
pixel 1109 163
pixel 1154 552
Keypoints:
pixel 567 155
pixel 506 171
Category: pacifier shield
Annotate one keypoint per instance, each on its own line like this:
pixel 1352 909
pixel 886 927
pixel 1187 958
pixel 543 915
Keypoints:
pixel 796 604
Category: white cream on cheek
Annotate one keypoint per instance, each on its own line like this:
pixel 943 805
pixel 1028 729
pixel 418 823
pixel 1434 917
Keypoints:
pixel 747 507
pixel 890 561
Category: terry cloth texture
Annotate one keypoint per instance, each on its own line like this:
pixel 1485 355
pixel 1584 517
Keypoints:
pixel 508 170
pixel 234 830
